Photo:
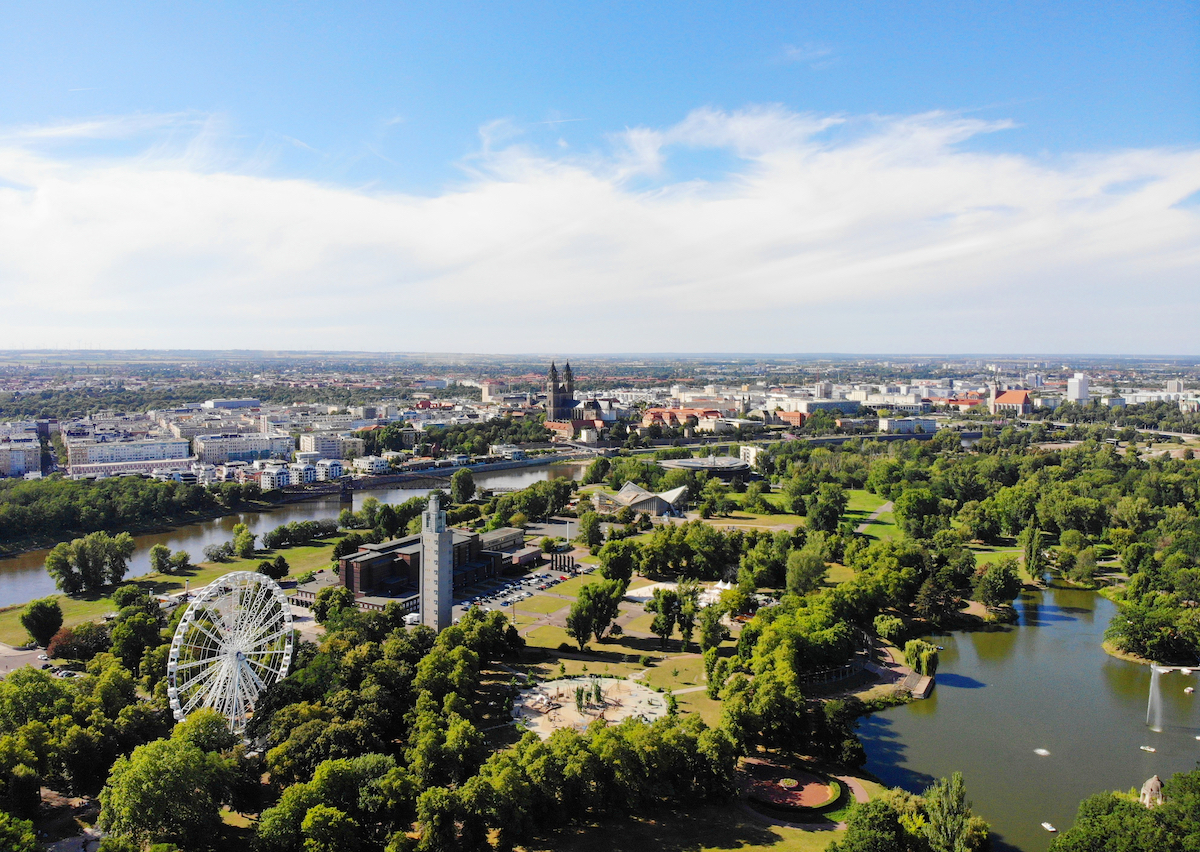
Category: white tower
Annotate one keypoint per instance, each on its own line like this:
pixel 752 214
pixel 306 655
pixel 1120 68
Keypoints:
pixel 437 567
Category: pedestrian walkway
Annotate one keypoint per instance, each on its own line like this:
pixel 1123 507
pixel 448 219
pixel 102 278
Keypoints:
pixel 873 517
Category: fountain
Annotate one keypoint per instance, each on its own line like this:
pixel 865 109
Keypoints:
pixel 1154 705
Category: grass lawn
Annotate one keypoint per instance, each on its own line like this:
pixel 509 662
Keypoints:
pixel 709 828
pixel 91 607
pixel 884 527
pixel 571 587
pixel 690 673
pixel 862 502
pixel 699 703
pixel 838 574
pixel 541 604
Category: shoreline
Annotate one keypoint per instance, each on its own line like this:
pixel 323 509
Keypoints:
pixel 373 483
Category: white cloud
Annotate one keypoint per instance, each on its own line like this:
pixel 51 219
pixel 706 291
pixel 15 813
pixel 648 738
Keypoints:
pixel 882 234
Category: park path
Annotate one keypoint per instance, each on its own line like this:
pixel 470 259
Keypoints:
pixel 874 516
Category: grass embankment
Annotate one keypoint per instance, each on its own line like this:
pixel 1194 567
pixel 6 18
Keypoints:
pixel 92 607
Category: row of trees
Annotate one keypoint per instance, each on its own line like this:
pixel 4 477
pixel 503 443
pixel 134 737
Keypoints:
pixel 60 507
pixel 90 563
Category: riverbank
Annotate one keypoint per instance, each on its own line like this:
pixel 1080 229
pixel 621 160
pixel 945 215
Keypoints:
pixel 29 544
pixel 92 607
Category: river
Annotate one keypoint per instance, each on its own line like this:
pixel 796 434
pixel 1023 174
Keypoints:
pixel 1044 683
pixel 24 577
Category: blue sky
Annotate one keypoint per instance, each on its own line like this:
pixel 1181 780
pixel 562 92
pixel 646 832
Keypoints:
pixel 422 158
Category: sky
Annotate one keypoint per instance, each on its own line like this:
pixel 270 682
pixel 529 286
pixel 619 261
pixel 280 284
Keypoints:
pixel 602 177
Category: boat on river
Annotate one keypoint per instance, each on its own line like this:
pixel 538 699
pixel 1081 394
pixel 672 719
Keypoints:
pixel 1150 749
pixel 1049 827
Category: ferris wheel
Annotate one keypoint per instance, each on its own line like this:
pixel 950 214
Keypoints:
pixel 233 642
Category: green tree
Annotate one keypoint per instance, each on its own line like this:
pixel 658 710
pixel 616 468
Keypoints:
pixel 618 559
pixel 165 791
pixel 665 606
pixel 712 631
pixel 589 529
pixel 180 561
pixel 951 827
pixel 160 559
pixel 207 729
pixel 42 618
pixel 132 636
pixel 331 601
pixel 243 541
pixel 60 565
pixel 328 829
pixel 17 835
pixel 920 513
pixel 999 583
pixel 581 620
pixel 462 486
pixel 806 570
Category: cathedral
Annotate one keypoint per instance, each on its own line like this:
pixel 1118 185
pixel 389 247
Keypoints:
pixel 560 397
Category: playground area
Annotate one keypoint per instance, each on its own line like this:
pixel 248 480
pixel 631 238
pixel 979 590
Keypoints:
pixel 576 702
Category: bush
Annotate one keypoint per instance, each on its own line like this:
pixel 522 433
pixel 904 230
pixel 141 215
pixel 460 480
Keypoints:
pixel 889 628
pixel 645 660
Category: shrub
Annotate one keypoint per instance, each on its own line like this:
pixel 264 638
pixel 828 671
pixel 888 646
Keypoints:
pixel 889 628
pixel 645 660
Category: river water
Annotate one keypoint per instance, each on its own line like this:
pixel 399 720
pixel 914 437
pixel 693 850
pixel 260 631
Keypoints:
pixel 1044 683
pixel 24 577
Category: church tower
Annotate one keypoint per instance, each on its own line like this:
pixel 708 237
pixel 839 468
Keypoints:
pixel 569 382
pixel 554 393
pixel 437 567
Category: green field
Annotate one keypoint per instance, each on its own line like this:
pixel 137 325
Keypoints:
pixel 91 607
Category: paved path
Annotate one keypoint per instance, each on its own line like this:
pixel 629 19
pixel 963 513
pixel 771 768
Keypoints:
pixel 874 516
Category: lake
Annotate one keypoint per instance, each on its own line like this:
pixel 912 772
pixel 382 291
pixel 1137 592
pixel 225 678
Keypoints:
pixel 24 577
pixel 1044 683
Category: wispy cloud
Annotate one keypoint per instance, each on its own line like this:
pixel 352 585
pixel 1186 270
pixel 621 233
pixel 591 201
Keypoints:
pixel 848 233
pixel 815 56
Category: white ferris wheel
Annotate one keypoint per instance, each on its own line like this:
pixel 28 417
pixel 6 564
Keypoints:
pixel 233 642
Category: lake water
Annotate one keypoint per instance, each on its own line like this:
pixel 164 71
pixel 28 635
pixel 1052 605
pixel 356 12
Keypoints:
pixel 1044 683
pixel 24 577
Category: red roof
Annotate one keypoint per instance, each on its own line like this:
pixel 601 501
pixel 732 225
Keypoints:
pixel 1013 397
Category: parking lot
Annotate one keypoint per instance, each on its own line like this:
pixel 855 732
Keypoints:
pixel 506 591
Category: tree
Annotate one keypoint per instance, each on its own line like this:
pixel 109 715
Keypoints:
pixel 806 570
pixel 920 513
pixel 581 620
pixel 180 560
pixel 60 565
pixel 17 835
pixel 712 631
pixel 589 529
pixel 665 606
pixel 160 559
pixel 872 826
pixel 826 507
pixel 462 486
pixel 81 642
pixel 166 790
pixel 42 618
pixel 618 559
pixel 951 827
pixel 243 541
pixel 921 656
pixel 328 829
pixel 207 729
pixel 276 568
pixel 999 583
pixel 132 636
pixel 331 601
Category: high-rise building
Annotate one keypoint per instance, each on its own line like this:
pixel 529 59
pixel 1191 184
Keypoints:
pixel 1174 385
pixel 1077 389
pixel 437 567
